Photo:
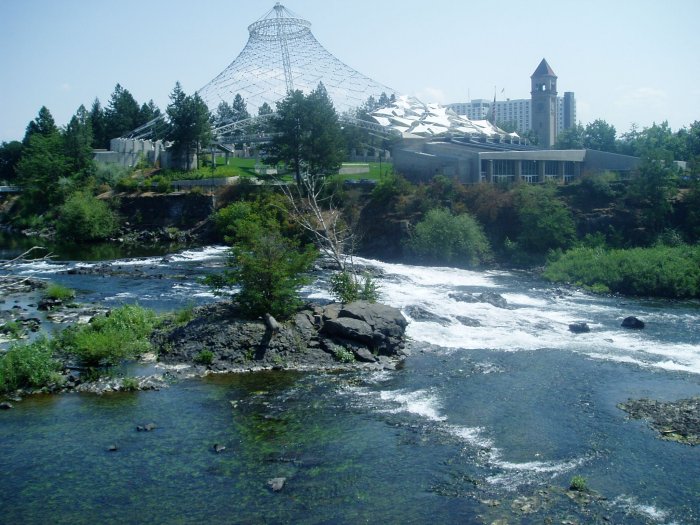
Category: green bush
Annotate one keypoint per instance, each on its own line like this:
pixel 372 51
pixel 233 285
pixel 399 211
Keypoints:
pixel 58 292
pixel 578 483
pixel 130 384
pixel 205 357
pixel 13 329
pixel 29 365
pixel 661 271
pixel 343 355
pixel 83 217
pixel 347 287
pixel 445 238
pixel 107 340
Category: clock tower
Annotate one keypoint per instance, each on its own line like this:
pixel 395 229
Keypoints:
pixel 544 104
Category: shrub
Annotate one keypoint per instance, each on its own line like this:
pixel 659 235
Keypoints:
pixel 130 384
pixel 343 355
pixel 205 357
pixel 29 365
pixel 270 270
pixel 445 238
pixel 578 483
pixel 12 329
pixel 184 316
pixel 346 287
pixel 83 217
pixel 107 340
pixel 58 292
pixel 661 271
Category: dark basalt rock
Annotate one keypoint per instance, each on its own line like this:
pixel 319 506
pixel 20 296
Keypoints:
pixel 468 321
pixel 312 339
pixel 579 328
pixel 6 405
pixel 674 420
pixel 493 299
pixel 418 313
pixel 633 323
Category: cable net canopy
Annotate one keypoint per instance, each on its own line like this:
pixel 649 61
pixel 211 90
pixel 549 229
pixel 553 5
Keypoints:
pixel 282 55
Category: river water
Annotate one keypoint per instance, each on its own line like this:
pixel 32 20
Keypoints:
pixel 488 419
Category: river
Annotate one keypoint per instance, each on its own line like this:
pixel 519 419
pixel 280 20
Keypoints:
pixel 488 419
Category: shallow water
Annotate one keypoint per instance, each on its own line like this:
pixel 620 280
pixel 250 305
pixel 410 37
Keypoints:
pixel 476 419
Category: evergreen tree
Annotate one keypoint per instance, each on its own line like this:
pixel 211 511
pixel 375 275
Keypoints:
pixel 122 113
pixel 77 143
pixel 190 123
pixel 43 124
pixel 148 112
pixel 239 108
pixel 264 109
pixel 308 135
pixel 224 113
pixel 10 153
pixel 99 126
pixel 40 170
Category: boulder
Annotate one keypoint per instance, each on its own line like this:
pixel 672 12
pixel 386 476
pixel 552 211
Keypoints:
pixel 364 355
pixel 633 323
pixel 5 405
pixel 493 299
pixel 463 297
pixel 418 313
pixel 468 321
pixel 349 328
pixel 276 484
pixel 579 328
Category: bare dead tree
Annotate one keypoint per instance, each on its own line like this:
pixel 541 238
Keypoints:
pixel 314 210
pixel 6 265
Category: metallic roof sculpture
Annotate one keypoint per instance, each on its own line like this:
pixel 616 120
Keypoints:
pixel 282 55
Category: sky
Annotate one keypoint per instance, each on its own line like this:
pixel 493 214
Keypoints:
pixel 627 61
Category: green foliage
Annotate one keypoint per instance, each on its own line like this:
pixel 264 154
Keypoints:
pixel 29 366
pixel 107 340
pixel 308 136
pixel 599 135
pixel 205 357
pixel 121 115
pixel 343 355
pixel 347 287
pixel 13 329
pixel 10 153
pixel 578 483
pixel 651 192
pixel 243 219
pixel 83 217
pixel 269 269
pixel 190 122
pixel 110 174
pixel 130 384
pixel 445 238
pixel 389 187
pixel 184 315
pixel 58 292
pixel 545 221
pixel 44 125
pixel 571 138
pixel 77 143
pixel 661 271
pixel 42 165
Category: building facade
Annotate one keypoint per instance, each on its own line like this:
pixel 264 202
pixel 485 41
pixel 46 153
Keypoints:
pixel 517 113
pixel 544 104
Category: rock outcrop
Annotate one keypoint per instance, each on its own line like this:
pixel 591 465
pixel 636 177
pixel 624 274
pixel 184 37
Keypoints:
pixel 318 337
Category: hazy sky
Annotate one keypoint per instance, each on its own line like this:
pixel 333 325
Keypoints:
pixel 628 61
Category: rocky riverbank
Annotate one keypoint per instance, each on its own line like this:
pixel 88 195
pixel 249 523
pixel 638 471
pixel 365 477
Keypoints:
pixel 673 420
pixel 329 337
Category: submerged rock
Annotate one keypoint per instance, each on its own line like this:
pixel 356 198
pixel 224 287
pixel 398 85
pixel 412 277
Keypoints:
pixel 579 328
pixel 493 299
pixel 276 484
pixel 674 420
pixel 418 313
pixel 633 323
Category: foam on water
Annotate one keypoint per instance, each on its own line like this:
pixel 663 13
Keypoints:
pixel 537 318
pixel 633 506
pixel 421 402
